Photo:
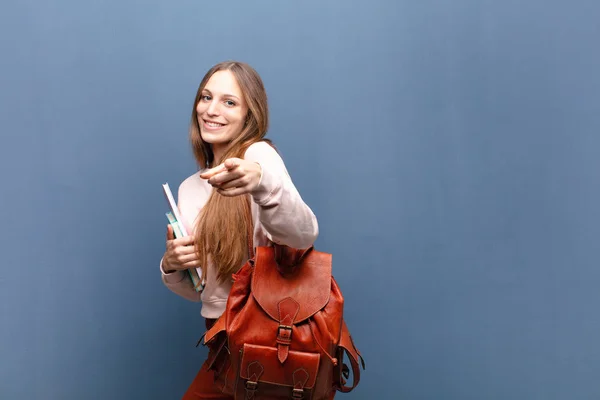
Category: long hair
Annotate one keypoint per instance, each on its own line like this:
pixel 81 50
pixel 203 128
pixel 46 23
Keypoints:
pixel 221 232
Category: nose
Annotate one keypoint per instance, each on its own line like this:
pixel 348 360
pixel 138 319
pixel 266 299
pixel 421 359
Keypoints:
pixel 213 108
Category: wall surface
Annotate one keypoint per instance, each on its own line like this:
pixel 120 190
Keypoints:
pixel 448 148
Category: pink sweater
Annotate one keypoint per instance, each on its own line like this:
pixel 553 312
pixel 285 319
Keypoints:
pixel 279 213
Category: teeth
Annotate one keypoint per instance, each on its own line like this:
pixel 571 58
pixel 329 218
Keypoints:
pixel 214 125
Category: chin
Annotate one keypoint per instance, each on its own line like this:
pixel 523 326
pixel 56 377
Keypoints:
pixel 211 138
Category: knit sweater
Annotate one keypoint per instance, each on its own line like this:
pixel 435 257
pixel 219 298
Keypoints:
pixel 278 211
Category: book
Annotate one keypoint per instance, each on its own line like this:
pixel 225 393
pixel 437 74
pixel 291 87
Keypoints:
pixel 176 222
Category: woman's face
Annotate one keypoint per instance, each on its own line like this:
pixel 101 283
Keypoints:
pixel 221 110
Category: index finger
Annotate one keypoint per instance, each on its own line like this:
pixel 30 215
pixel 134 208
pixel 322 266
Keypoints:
pixel 213 171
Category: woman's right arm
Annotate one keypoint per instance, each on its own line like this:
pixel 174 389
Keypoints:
pixel 178 281
pixel 179 256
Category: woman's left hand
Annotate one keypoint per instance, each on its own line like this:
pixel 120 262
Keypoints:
pixel 234 177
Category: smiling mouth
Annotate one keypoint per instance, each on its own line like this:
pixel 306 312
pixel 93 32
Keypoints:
pixel 211 124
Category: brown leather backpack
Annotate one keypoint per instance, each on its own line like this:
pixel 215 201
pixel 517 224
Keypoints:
pixel 283 335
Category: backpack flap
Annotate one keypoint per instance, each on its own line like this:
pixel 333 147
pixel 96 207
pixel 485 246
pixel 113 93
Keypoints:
pixel 308 284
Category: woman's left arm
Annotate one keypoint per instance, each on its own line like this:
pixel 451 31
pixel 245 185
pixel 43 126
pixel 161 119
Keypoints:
pixel 284 215
pixel 286 218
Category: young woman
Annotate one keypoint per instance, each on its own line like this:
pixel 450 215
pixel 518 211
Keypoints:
pixel 241 175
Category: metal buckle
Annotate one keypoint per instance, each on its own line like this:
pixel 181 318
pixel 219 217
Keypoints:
pixel 298 393
pixel 285 328
pixel 251 385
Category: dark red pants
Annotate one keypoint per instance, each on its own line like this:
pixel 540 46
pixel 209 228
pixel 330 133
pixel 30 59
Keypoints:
pixel 203 386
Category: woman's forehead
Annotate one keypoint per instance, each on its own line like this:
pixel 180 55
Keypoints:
pixel 223 83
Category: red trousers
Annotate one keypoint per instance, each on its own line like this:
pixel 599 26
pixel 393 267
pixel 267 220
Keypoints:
pixel 203 386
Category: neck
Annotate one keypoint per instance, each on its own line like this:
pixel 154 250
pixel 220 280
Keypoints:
pixel 218 151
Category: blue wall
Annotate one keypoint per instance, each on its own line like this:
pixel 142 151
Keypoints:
pixel 449 149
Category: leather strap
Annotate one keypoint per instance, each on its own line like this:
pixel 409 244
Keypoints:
pixel 347 346
pixel 288 311
pixel 300 377
pixel 355 373
pixel 255 370
pixel 289 258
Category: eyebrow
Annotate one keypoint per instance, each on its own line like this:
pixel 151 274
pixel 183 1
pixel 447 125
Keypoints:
pixel 225 95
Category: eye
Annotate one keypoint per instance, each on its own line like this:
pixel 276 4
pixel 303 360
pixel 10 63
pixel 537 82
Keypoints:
pixel 229 103
pixel 205 97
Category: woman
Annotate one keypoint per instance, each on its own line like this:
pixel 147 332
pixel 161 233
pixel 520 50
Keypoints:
pixel 239 172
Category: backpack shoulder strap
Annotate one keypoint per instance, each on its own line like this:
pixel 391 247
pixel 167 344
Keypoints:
pixel 346 347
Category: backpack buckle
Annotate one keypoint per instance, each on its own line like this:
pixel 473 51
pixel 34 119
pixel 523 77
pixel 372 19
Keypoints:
pixel 284 334
pixel 284 339
pixel 298 394
pixel 251 387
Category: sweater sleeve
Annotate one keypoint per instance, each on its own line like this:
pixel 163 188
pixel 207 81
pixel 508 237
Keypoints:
pixel 179 282
pixel 284 216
